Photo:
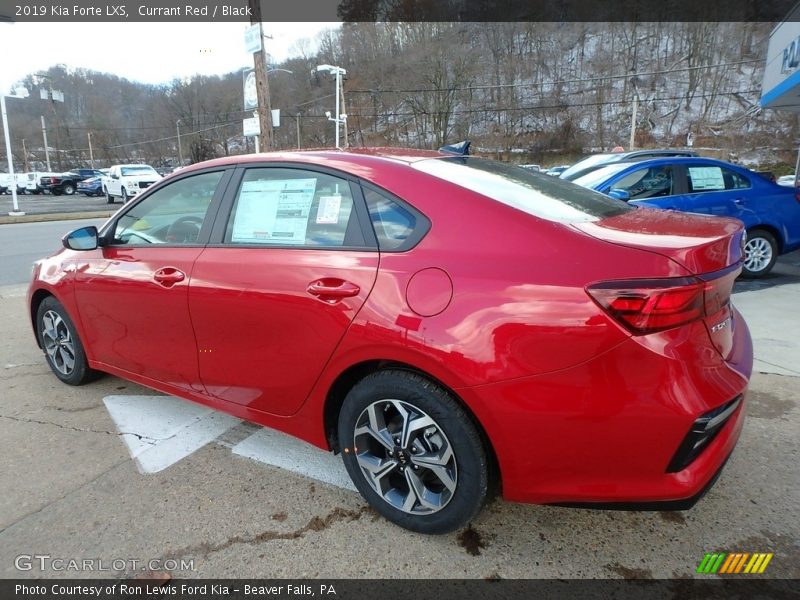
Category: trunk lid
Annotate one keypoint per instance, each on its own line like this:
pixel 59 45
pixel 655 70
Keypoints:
pixel 709 248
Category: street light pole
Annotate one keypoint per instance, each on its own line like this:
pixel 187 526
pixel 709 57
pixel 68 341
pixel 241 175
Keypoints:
pixel 340 117
pixel 16 211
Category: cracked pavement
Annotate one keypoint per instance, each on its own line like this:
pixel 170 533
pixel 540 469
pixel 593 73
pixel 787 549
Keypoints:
pixel 71 490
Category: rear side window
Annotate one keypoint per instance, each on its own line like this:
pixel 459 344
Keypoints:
pixel 714 179
pixel 293 207
pixel 397 226
pixel 536 194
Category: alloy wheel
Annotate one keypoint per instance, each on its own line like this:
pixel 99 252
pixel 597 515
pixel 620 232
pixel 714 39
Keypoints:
pixel 405 456
pixel 757 254
pixel 58 342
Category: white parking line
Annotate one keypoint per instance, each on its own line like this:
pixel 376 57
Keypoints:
pixel 161 430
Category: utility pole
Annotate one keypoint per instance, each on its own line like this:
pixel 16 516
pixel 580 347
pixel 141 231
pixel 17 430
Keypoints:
pixel 180 148
pixel 262 84
pixel 298 131
pixel 46 148
pixel 633 119
pixel 344 121
pixel 24 157
pixel 91 153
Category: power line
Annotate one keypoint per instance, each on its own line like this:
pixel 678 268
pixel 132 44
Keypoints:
pixel 551 83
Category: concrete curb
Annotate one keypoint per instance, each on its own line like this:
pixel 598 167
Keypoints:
pixel 6 219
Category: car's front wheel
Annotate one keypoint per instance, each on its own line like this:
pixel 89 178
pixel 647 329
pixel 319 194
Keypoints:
pixel 109 197
pixel 68 189
pixel 413 452
pixel 61 344
pixel 760 253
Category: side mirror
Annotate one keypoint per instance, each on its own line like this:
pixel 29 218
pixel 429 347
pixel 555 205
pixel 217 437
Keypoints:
pixel 84 238
pixel 114 176
pixel 623 195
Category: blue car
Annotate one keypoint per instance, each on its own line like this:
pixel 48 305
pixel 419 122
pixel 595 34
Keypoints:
pixel 91 187
pixel 770 212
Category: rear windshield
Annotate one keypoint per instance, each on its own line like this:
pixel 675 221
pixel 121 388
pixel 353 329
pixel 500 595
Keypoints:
pixel 536 194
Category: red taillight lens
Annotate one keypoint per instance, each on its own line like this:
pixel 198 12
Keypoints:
pixel 646 306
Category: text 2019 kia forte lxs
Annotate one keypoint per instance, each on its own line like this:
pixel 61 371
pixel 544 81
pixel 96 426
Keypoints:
pixel 446 323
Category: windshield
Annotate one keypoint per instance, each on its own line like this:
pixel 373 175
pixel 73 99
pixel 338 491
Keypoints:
pixel 594 178
pixel 143 170
pixel 536 194
pixel 589 161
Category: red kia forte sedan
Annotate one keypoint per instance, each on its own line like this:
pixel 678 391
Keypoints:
pixel 450 325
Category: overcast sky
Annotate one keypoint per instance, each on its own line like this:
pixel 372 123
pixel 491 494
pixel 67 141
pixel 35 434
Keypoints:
pixel 147 52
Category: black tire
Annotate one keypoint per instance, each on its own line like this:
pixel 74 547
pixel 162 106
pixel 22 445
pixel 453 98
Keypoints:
pixel 61 344
pixel 109 197
pixel 443 430
pixel 68 189
pixel 761 252
pixel 124 196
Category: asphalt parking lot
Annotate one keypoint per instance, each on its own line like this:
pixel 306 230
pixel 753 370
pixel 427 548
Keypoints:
pixel 48 204
pixel 86 475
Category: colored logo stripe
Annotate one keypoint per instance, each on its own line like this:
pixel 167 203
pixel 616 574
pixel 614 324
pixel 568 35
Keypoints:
pixel 735 562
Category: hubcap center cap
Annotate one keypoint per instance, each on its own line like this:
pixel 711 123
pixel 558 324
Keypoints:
pixel 401 455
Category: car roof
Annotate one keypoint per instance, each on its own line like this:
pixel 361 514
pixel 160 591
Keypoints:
pixel 353 157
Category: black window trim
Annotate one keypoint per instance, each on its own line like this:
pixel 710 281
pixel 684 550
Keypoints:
pixel 107 231
pixel 420 231
pixel 225 212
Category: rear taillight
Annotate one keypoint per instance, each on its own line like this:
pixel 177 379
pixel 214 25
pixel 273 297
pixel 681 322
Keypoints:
pixel 647 306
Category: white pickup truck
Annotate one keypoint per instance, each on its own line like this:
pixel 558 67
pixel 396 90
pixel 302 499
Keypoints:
pixel 126 181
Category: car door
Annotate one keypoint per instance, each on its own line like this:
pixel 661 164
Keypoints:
pixel 132 292
pixel 276 290
pixel 716 190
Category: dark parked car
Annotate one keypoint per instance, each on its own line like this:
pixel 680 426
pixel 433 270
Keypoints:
pixel 770 212
pixel 547 341
pixel 595 161
pixel 67 183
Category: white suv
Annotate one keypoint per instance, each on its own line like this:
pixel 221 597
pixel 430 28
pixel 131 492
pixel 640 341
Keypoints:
pixel 125 181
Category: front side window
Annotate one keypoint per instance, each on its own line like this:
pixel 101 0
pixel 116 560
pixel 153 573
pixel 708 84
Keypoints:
pixel 173 214
pixel 293 207
pixel 651 182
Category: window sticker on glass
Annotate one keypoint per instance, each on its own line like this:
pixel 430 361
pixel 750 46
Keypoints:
pixel 273 211
pixel 329 209
pixel 706 178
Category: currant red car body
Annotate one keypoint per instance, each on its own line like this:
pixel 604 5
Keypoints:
pixel 591 347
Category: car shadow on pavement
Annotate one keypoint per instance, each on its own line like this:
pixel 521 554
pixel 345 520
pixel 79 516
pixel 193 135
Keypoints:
pixel 785 272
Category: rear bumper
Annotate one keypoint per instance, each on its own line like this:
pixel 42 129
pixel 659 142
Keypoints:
pixel 606 431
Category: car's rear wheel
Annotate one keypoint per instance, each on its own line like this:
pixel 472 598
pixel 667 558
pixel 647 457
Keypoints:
pixel 109 197
pixel 68 189
pixel 413 452
pixel 760 253
pixel 61 344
